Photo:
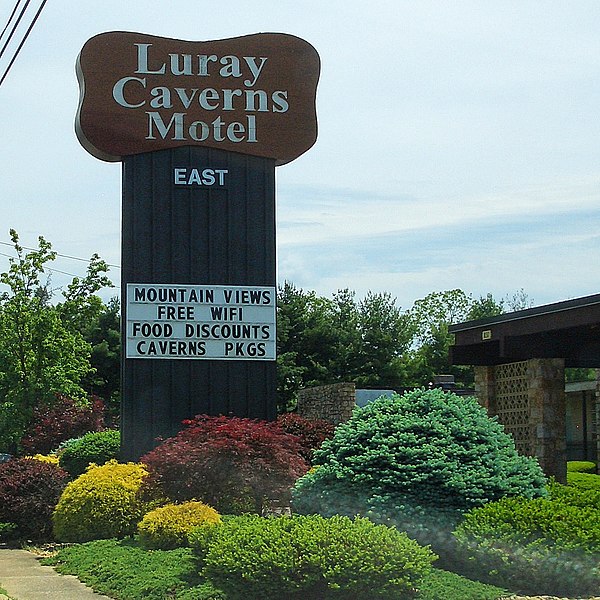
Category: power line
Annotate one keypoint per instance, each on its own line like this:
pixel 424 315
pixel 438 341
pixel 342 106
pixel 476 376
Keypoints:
pixel 33 22
pixel 53 269
pixel 86 260
pixel 46 268
pixel 12 16
pixel 15 26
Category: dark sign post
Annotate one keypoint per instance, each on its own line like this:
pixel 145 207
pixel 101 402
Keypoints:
pixel 199 128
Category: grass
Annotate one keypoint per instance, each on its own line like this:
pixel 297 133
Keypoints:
pixel 121 568
pixel 3 592
pixel 124 570
pixel 450 586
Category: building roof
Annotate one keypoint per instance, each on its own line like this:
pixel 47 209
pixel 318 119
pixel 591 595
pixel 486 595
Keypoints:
pixel 569 330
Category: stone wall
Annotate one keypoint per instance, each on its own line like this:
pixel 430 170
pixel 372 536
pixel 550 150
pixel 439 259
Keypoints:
pixel 333 403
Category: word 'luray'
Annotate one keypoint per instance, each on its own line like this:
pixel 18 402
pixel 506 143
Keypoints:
pixel 132 92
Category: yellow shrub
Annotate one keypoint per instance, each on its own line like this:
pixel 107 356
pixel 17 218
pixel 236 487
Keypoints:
pixel 47 458
pixel 168 527
pixel 104 502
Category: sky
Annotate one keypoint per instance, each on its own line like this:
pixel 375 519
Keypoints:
pixel 458 143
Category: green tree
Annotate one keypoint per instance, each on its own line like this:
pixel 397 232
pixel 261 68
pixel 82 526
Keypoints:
pixel 98 323
pixel 41 354
pixel 323 340
pixel 518 300
pixel 485 306
pixel 385 334
pixel 104 336
pixel 43 346
pixel 431 317
pixel 436 309
pixel 305 342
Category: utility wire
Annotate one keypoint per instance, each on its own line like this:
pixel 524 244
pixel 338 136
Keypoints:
pixel 53 270
pixel 15 26
pixel 12 16
pixel 37 14
pixel 86 260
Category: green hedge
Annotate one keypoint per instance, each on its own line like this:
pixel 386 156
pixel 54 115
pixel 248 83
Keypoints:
pixel 537 546
pixel 96 447
pixel 581 466
pixel 310 558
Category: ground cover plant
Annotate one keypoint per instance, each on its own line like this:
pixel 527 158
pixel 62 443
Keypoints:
pixel 29 491
pixel 420 461
pixel 232 464
pixel 124 570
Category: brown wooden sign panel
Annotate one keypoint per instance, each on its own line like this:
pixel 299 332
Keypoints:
pixel 253 94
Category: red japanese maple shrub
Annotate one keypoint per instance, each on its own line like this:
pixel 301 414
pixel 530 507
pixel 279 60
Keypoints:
pixel 231 463
pixel 311 432
pixel 29 491
pixel 62 420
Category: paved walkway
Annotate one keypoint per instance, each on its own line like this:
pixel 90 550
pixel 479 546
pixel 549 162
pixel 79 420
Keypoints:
pixel 24 578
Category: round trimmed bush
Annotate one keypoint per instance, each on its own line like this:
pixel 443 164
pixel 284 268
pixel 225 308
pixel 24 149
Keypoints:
pixel 96 447
pixel 536 546
pixel 29 491
pixel 419 460
pixel 581 466
pixel 167 527
pixel 310 558
pixel 104 502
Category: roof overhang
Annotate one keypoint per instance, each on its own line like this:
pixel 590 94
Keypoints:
pixel 569 330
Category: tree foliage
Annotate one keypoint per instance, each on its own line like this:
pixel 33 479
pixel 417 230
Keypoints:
pixel 41 353
pixel 322 340
pixel 372 341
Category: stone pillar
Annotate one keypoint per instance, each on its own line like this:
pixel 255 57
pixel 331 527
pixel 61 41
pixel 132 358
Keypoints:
pixel 485 389
pixel 546 393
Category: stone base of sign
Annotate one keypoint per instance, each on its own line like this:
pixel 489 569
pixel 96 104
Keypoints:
pixel 529 400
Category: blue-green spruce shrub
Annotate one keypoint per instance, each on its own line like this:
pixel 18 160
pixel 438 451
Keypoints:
pixel 419 461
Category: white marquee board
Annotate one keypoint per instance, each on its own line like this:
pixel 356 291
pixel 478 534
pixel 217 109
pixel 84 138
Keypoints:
pixel 215 322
